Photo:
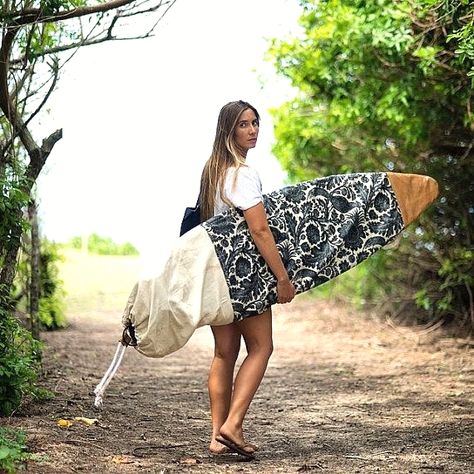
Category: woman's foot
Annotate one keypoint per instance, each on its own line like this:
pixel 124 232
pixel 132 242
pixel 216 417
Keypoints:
pixel 216 448
pixel 234 440
pixel 235 448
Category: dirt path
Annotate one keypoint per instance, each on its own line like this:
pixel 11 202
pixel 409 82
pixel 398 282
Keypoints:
pixel 342 394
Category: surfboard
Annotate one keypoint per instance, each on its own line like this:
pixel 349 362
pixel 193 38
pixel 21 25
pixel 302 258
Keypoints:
pixel 215 274
pixel 322 228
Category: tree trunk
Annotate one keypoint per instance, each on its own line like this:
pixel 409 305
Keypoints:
pixel 7 273
pixel 34 290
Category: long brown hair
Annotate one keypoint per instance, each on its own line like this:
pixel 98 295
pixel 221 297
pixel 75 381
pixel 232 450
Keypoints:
pixel 225 154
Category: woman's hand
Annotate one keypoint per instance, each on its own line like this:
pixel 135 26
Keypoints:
pixel 285 291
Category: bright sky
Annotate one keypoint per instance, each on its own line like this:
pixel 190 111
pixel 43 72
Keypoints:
pixel 139 120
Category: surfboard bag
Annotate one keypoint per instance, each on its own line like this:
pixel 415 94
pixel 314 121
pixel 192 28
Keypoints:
pixel 215 274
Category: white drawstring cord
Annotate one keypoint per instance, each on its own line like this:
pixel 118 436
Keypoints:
pixel 100 389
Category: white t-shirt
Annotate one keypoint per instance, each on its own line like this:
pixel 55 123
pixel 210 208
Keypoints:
pixel 244 194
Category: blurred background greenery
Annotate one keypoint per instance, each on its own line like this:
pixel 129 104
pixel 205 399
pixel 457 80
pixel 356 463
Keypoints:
pixel 388 86
pixel 97 283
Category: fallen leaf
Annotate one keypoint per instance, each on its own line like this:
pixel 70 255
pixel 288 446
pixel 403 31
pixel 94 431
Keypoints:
pixel 87 421
pixel 65 423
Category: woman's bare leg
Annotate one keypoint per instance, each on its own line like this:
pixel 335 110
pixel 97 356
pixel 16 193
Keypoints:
pixel 257 334
pixel 221 373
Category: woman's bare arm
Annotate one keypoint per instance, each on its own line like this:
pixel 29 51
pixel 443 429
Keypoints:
pixel 257 222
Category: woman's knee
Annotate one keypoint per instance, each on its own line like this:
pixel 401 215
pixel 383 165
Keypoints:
pixel 260 343
pixel 262 348
pixel 228 352
pixel 257 333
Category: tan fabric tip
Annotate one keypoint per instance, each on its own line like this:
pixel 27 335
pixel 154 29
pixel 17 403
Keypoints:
pixel 414 192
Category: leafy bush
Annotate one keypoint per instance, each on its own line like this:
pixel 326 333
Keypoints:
pixel 20 356
pixel 388 86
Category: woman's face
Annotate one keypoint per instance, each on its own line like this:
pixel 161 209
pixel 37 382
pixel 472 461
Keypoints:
pixel 246 131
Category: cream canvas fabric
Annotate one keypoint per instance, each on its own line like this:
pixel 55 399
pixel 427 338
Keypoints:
pixel 190 292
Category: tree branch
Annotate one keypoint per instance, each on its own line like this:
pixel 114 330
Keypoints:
pixel 79 44
pixel 107 32
pixel 19 84
pixel 30 93
pixel 148 10
pixel 11 139
pixel 4 94
pixel 4 66
pixel 36 15
pixel 55 76
pixel 38 160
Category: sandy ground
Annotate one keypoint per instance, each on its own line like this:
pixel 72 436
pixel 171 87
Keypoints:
pixel 343 393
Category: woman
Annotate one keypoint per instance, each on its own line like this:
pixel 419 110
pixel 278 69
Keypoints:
pixel 228 181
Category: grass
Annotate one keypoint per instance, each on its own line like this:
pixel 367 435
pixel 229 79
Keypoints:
pixel 97 283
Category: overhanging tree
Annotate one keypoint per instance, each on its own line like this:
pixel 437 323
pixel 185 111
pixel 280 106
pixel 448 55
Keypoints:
pixel 388 86
pixel 36 36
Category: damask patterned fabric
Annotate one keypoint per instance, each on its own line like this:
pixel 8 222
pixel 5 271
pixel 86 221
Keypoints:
pixel 322 228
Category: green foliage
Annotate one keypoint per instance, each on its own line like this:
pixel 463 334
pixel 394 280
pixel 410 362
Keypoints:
pixel 12 449
pixel 35 41
pixel 52 295
pixel 12 201
pixel 364 78
pixel 388 86
pixel 19 362
pixel 103 246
